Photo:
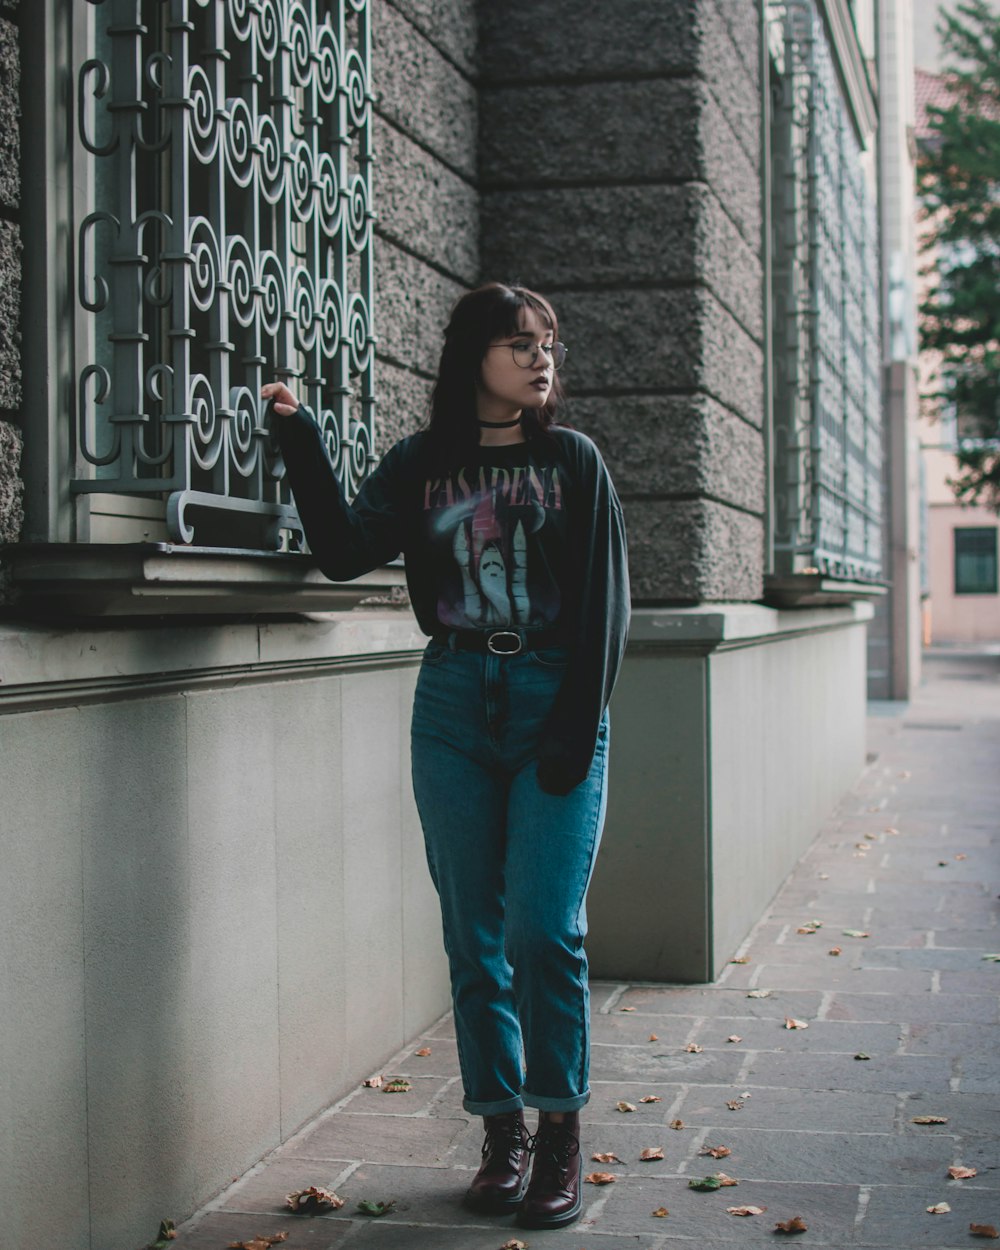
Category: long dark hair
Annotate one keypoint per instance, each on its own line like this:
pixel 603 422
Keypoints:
pixel 490 312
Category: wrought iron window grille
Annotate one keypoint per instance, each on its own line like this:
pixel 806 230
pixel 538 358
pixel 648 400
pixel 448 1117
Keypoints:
pixel 227 149
pixel 828 435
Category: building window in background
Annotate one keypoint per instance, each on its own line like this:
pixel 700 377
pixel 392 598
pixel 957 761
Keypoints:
pixel 976 561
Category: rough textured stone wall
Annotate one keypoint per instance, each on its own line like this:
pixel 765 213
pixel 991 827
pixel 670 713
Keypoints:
pixel 11 508
pixel 619 161
pixel 426 132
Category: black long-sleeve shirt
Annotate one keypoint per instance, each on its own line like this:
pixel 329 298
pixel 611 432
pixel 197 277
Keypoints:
pixel 527 535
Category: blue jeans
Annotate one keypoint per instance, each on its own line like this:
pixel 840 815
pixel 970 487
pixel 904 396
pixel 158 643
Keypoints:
pixel 511 865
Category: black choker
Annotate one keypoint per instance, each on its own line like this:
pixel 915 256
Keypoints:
pixel 500 425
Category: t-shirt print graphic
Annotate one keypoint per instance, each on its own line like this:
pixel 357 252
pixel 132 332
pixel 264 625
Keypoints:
pixel 492 519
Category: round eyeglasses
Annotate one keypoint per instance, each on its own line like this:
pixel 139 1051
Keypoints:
pixel 525 354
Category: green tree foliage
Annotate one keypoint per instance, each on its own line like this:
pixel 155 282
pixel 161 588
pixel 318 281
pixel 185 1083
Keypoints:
pixel 958 177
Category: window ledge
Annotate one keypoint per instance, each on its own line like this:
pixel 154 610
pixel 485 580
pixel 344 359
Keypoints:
pixel 809 590
pixel 145 579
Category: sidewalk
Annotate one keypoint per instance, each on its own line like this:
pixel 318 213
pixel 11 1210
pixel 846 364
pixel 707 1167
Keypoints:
pixel 903 1023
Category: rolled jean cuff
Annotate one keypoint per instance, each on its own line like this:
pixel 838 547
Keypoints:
pixel 556 1104
pixel 515 1103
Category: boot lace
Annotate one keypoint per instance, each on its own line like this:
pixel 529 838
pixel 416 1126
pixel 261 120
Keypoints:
pixel 554 1146
pixel 504 1136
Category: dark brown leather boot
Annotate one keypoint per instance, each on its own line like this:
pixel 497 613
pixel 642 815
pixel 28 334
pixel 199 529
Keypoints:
pixel 502 1178
pixel 553 1198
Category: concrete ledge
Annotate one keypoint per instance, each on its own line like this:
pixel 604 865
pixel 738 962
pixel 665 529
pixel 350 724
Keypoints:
pixel 41 665
pixel 718 624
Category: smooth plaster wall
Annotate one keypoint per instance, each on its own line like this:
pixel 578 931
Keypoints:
pixel 216 918
pixel 620 175
pixel 753 747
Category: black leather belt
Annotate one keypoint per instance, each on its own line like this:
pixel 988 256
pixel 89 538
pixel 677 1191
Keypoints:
pixel 501 641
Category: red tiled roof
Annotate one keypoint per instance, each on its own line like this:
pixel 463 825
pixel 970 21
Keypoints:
pixel 928 89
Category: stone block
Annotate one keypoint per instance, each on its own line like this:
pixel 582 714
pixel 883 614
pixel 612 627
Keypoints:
pixel 663 445
pixel 413 302
pixel 421 92
pixel 10 315
pixel 10 116
pixel 404 400
pixel 450 25
pixel 579 37
pixel 623 236
pixel 603 132
pixel 425 207
pixel 675 339
pixel 693 550
pixel 732 73
pixel 731 172
pixel 11 489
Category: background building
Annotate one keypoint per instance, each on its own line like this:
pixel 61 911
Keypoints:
pixel 962 602
pixel 216 917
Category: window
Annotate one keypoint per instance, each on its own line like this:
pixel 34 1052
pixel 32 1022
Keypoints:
pixel 975 561
pixel 827 375
pixel 223 237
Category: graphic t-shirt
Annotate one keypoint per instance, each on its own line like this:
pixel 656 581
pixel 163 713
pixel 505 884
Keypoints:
pixel 497 528
pixel 529 535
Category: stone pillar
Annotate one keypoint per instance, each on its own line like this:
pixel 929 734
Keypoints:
pixel 619 167
pixel 11 510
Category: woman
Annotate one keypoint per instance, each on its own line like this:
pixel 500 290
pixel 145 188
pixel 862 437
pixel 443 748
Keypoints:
pixel 516 568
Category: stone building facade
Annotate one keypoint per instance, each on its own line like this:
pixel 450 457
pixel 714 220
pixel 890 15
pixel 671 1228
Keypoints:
pixel 204 747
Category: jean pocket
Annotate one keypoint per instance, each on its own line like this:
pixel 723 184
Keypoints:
pixel 435 652
pixel 550 657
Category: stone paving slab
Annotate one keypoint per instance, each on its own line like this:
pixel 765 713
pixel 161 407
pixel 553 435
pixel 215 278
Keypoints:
pixel 817 1132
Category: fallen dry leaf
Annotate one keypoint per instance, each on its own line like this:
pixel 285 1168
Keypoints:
pixel 871 836
pixel 398 1085
pixel 795 1225
pixel 693 1048
pixel 961 1174
pixel 994 959
pixel 929 1119
pixel 746 1210
pixel 260 1242
pixel 759 994
pixel 734 1037
pixel 939 1208
pixel 725 1180
pixel 861 1055
pixel 735 1104
pixel 983 1230
pixel 804 929
pixel 834 950
pixel 627 1009
pixel 894 833
pixel 315 1198
pixel 650 1153
pixel 167 1232
pixel 717 1152
pixel 514 1244
pixel 367 1207
pixel 707 1184
pixel 423 1052
pixel 660 1212
pixel 858 933
pixel 600 1178
pixel 961 857
pixel 653 1037
pixel 676 1124
pixel 651 1098
pixel 626 1106
pixel 942 863
pixel 608 1156
pixel 792 1023
pixel 743 959
pixel 374 1082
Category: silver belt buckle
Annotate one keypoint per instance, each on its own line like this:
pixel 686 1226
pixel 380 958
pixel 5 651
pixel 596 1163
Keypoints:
pixel 504 633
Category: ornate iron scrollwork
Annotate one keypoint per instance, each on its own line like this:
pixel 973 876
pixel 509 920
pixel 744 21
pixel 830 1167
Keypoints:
pixel 827 323
pixel 229 147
